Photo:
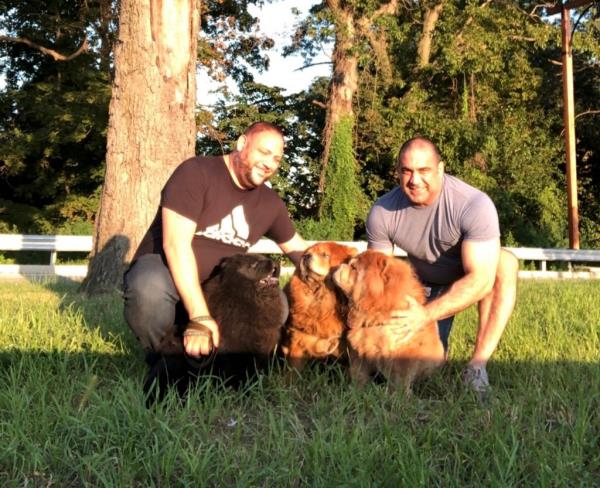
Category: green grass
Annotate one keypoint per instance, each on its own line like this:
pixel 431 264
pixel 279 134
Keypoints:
pixel 72 411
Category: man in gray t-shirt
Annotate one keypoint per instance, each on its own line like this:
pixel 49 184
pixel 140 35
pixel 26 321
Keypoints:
pixel 451 234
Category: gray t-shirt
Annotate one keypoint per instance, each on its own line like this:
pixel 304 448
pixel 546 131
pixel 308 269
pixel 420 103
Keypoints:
pixel 432 235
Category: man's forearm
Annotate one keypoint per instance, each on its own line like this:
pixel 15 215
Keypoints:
pixel 294 248
pixel 184 270
pixel 462 294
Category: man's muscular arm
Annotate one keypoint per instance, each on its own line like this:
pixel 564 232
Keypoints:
pixel 480 262
pixel 178 232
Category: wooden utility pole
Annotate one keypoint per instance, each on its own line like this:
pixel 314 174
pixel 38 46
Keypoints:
pixel 569 113
pixel 569 121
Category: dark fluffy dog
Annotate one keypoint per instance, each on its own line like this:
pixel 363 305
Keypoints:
pixel 376 285
pixel 244 298
pixel 316 325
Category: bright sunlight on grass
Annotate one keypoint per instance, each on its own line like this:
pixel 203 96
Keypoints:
pixel 72 412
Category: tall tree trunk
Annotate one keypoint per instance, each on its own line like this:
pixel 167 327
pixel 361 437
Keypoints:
pixel 344 81
pixel 343 199
pixel 151 127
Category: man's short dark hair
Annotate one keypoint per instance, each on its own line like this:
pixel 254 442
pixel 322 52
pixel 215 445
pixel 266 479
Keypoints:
pixel 418 141
pixel 258 127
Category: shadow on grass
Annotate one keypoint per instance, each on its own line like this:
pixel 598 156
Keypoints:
pixel 103 314
pixel 509 380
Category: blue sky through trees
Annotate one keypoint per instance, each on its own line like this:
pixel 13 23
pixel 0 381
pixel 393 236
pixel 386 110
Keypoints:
pixel 276 21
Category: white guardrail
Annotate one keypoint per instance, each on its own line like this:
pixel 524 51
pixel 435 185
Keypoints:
pixel 581 263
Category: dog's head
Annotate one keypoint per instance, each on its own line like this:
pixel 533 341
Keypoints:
pixel 323 257
pixel 376 283
pixel 254 268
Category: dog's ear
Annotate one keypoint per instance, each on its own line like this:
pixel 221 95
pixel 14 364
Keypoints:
pixel 373 277
pixel 383 265
pixel 277 267
pixel 219 268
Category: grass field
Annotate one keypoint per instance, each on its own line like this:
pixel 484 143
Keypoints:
pixel 72 412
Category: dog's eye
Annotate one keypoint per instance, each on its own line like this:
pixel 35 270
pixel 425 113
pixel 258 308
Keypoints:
pixel 324 255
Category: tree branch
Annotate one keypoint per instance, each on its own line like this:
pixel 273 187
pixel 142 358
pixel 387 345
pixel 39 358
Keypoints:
pixel 570 4
pixel 310 65
pixel 389 8
pixel 587 112
pixel 377 41
pixel 539 6
pixel 50 52
pixel 522 38
pixel 459 36
pixel 424 47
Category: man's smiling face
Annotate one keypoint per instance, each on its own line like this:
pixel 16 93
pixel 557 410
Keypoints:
pixel 258 157
pixel 420 175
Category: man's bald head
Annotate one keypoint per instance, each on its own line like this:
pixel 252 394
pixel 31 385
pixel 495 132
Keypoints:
pixel 419 171
pixel 420 143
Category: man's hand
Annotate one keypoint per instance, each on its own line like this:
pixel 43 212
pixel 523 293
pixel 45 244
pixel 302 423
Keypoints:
pixel 405 323
pixel 201 336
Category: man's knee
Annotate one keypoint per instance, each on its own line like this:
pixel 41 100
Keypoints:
pixel 150 301
pixel 508 266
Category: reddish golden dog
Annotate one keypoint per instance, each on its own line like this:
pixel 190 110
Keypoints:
pixel 376 285
pixel 316 323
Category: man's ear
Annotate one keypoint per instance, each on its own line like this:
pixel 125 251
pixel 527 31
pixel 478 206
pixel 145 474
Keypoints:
pixel 441 167
pixel 241 142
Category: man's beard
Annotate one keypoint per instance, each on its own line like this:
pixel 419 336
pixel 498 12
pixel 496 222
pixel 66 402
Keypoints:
pixel 244 173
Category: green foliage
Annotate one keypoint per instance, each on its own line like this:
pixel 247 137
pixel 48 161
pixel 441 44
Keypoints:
pixel 491 100
pixel 343 201
pixel 490 97
pixel 230 41
pixel 312 33
pixel 53 114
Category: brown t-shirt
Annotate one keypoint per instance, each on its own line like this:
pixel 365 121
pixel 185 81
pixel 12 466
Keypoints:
pixel 228 219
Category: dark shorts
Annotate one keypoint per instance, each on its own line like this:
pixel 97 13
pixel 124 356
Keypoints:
pixel 444 325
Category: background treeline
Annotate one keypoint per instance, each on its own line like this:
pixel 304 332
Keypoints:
pixel 481 78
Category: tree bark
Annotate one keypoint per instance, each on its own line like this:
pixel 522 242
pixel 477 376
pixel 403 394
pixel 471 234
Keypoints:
pixel 430 18
pixel 151 127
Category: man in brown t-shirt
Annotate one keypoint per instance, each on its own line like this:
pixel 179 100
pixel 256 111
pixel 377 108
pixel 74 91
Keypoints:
pixel 211 207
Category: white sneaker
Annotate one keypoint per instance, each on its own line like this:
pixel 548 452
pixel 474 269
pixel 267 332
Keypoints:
pixel 476 378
